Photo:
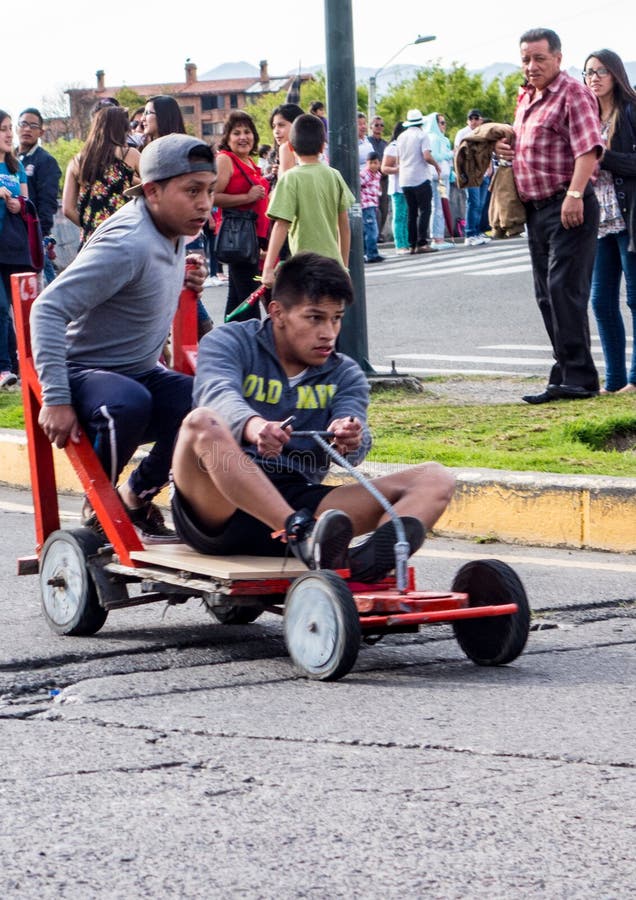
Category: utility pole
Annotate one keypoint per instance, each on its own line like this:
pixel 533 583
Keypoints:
pixel 343 155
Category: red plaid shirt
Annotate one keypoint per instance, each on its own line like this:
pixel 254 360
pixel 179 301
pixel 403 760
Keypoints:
pixel 369 187
pixel 550 133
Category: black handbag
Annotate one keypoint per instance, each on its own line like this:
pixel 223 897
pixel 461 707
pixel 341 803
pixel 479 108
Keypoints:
pixel 34 233
pixel 14 241
pixel 236 240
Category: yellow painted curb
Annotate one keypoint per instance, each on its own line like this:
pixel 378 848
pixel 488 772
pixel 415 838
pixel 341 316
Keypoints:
pixel 595 512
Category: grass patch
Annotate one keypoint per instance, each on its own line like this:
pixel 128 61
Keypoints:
pixel 563 437
pixel 11 412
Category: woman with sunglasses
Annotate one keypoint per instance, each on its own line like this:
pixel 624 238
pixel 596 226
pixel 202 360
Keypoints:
pixel 162 115
pixel 605 75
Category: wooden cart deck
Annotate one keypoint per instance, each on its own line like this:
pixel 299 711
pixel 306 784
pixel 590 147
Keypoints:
pixel 226 568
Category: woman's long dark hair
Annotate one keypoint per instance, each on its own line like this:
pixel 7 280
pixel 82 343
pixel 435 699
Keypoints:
pixel 109 130
pixel 624 93
pixel 238 117
pixel 169 116
pixel 289 112
pixel 10 159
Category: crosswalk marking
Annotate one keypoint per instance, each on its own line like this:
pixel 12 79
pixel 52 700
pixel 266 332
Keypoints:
pixel 471 260
pixel 498 258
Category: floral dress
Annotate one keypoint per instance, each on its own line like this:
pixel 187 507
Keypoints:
pixel 100 199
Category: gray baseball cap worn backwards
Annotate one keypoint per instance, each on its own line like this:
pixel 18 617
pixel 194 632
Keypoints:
pixel 172 155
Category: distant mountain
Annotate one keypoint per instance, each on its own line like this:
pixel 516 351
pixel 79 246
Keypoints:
pixel 388 77
pixel 230 70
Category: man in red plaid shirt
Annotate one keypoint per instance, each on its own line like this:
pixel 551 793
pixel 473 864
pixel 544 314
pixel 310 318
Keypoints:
pixel 557 145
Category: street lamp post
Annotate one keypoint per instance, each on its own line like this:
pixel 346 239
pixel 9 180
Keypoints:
pixel 343 155
pixel 421 39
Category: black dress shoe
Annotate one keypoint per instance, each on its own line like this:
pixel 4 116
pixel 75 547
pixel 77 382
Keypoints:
pixel 559 392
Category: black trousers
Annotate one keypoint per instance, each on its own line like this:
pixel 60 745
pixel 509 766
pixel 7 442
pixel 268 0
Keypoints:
pixel 240 285
pixel 562 263
pixel 120 412
pixel 418 202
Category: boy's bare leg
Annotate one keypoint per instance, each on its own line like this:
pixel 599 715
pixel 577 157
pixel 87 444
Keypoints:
pixel 216 478
pixel 423 492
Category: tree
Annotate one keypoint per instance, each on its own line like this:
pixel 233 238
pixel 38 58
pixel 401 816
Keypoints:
pixel 130 99
pixel 453 93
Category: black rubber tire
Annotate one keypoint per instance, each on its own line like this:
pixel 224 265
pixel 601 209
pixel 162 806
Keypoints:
pixel 493 640
pixel 322 626
pixel 71 608
pixel 231 614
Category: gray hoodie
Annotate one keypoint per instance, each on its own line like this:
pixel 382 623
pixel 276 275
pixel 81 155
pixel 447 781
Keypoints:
pixel 112 308
pixel 239 376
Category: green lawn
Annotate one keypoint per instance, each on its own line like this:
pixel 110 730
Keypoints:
pixel 575 437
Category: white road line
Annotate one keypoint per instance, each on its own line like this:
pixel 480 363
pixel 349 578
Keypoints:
pixel 459 265
pixel 427 551
pixel 433 371
pixel 505 270
pixel 453 261
pixel 521 559
pixel 440 357
pixel 534 347
pixel 27 508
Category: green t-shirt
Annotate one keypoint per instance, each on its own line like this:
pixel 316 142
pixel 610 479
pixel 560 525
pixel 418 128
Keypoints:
pixel 310 197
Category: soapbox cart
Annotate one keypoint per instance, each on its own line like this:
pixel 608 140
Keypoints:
pixel 84 575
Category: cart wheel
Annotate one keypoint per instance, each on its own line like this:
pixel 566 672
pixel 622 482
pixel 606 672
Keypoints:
pixel 493 640
pixel 233 614
pixel 69 598
pixel 322 626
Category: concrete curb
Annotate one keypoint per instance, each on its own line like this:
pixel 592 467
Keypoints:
pixel 578 511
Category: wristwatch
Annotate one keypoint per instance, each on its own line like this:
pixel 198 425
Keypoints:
pixel 576 194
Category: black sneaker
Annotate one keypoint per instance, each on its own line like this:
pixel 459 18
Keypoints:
pixel 150 525
pixel 321 543
pixel 374 558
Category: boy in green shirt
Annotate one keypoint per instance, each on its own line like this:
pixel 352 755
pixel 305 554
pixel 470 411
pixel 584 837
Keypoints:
pixel 310 204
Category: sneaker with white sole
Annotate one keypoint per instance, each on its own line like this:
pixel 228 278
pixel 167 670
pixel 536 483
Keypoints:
pixel 475 241
pixel 7 379
pixel 321 543
pixel 373 559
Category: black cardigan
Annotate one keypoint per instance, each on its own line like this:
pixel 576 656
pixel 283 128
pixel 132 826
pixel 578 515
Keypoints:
pixel 621 162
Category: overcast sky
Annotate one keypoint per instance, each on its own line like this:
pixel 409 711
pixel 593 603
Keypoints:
pixel 61 43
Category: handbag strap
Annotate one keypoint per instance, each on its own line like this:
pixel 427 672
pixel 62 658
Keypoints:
pixel 239 165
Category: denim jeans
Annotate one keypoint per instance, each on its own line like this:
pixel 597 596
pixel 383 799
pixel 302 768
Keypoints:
pixel 370 225
pixel 613 260
pixel 475 199
pixel 8 352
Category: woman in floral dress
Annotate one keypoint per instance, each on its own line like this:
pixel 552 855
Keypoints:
pixel 98 176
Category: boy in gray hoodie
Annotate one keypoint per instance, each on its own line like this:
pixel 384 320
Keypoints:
pixel 240 477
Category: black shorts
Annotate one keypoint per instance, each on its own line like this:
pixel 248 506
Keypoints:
pixel 242 533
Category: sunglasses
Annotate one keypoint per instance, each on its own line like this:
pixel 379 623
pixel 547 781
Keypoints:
pixel 134 125
pixel 442 122
pixel 474 117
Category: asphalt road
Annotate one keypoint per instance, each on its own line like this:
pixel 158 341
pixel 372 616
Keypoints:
pixel 186 759
pixel 467 310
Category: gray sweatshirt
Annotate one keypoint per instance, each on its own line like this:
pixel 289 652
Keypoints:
pixel 239 376
pixel 112 308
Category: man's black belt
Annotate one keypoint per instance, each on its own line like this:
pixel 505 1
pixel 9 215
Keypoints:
pixel 554 198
